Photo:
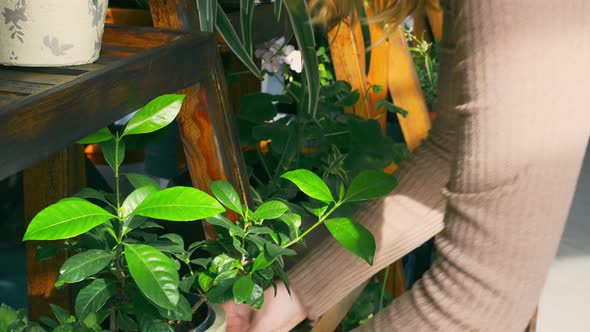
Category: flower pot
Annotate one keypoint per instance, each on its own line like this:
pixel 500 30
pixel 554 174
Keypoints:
pixel 49 33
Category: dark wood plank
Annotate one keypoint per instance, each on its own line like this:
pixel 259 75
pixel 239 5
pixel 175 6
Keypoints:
pixel 34 77
pixel 9 99
pixel 48 181
pixel 119 50
pixel 22 88
pixel 48 121
pixel 141 37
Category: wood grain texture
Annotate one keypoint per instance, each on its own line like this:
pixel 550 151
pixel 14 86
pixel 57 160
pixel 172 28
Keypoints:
pixel 45 122
pixel 127 16
pixel 60 176
pixel 348 59
pixel 330 321
pixel 434 14
pixel 206 123
pixel 406 92
pixel 179 15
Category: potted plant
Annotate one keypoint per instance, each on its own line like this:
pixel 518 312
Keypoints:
pixel 132 275
pixel 51 32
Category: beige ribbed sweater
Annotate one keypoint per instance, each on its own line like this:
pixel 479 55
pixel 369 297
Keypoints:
pixel 494 180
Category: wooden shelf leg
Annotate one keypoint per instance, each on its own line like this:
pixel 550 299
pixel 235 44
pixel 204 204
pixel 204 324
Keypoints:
pixel 46 182
pixel 208 135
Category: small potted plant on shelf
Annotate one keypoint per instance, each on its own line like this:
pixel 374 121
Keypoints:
pixel 131 275
pixel 47 33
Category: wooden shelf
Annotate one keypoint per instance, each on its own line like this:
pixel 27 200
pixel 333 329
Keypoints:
pixel 43 110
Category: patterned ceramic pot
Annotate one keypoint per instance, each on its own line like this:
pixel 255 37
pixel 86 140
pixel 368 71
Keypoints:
pixel 49 33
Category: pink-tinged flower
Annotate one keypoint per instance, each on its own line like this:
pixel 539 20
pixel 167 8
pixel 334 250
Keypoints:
pixel 295 61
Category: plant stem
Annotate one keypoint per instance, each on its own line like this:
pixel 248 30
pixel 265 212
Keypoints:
pixel 263 162
pixel 199 303
pixel 117 140
pixel 113 321
pixel 285 88
pixel 314 226
pixel 380 306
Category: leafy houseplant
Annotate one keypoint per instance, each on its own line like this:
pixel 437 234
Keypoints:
pixel 133 276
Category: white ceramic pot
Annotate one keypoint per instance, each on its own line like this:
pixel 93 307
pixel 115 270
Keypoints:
pixel 48 33
pixel 220 324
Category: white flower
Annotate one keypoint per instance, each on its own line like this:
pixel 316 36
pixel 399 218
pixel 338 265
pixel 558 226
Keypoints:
pixel 295 61
pixel 274 53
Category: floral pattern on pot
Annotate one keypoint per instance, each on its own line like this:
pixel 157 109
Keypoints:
pixel 51 32
pixel 13 16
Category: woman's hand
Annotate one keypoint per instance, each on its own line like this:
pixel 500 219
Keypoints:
pixel 280 313
pixel 238 316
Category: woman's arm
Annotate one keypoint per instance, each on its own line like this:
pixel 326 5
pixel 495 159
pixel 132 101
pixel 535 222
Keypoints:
pixel 521 73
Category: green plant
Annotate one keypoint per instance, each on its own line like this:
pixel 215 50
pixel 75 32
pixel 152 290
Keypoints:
pixel 130 273
pixel 426 60
pixel 12 320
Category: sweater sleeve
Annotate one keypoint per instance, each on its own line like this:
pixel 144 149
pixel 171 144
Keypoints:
pixel 520 72
pixel 521 128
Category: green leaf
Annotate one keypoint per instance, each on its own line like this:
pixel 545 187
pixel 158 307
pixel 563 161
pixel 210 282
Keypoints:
pixel 311 184
pixel 270 210
pixel 203 262
pixel 100 136
pixel 220 221
pixel 353 236
pixel 154 273
pixel 157 114
pixel 278 7
pixel 246 13
pixel 89 193
pixel 316 211
pixel 125 323
pixel 242 289
pixel 256 299
pixel 292 220
pixel 370 185
pixel 303 30
pixel 60 314
pixel 148 317
pixel 229 35
pixel 207 14
pixel 174 238
pixel 135 198
pixel 391 108
pixel 134 222
pixel 275 251
pixel 259 230
pixel 65 219
pixel 93 297
pixel 222 292
pixel 181 312
pixel 83 265
pixel 258 108
pixel 205 281
pixel 140 180
pixel 113 153
pixel 90 320
pixel 179 204
pixel 227 195
pixel 187 282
